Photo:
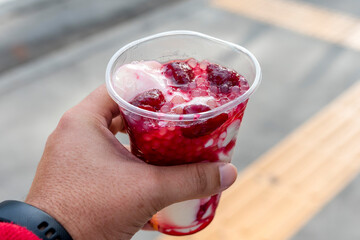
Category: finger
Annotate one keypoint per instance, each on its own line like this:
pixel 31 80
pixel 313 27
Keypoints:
pixel 117 125
pixel 100 105
pixel 191 181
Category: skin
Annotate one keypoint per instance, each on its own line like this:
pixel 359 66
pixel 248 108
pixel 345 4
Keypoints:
pixel 97 189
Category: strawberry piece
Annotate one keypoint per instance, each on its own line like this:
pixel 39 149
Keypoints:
pixel 180 72
pixel 218 75
pixel 151 100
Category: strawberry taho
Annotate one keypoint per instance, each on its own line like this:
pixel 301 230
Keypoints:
pixel 181 88
pixel 182 95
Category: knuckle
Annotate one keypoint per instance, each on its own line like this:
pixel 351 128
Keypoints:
pixel 201 178
pixel 51 139
pixel 67 123
pixel 66 120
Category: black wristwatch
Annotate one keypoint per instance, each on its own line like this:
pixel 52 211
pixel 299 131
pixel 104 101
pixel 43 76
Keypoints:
pixel 34 219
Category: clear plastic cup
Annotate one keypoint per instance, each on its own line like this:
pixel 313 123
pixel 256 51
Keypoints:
pixel 170 139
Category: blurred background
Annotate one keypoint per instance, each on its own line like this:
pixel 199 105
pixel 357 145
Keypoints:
pixel 54 52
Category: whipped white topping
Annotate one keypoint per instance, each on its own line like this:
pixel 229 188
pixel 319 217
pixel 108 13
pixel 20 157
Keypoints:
pixel 135 78
pixel 138 77
pixel 197 101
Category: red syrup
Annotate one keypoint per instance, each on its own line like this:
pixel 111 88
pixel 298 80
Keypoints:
pixel 164 142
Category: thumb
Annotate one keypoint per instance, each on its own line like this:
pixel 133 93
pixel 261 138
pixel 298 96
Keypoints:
pixel 191 181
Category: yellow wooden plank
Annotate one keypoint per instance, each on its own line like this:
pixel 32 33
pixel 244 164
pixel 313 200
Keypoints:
pixel 305 18
pixel 275 196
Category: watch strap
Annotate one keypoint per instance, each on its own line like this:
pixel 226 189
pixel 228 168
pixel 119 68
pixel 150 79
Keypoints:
pixel 34 219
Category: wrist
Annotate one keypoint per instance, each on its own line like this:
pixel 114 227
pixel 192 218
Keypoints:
pixel 57 212
pixel 76 219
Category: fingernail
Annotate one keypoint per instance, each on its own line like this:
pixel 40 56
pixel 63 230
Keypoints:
pixel 228 175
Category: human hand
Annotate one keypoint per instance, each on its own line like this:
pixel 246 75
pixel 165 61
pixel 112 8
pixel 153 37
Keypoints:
pixel 97 189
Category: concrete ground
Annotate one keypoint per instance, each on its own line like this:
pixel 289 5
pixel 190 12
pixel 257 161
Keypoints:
pixel 301 75
pixel 26 36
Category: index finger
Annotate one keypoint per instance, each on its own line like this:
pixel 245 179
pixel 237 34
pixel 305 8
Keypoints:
pixel 101 105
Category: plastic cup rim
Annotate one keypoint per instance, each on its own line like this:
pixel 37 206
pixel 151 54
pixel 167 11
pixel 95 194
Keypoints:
pixel 183 117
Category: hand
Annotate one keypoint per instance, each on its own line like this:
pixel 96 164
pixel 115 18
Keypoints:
pixel 97 189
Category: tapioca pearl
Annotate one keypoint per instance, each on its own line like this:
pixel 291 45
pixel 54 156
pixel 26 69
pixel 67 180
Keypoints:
pixel 195 93
pixel 204 92
pixel 171 128
pixel 212 103
pixel 244 86
pixel 168 136
pixel 170 132
pixel 209 143
pixel 243 82
pixel 192 62
pixel 146 125
pixel 200 80
pixel 214 89
pixel 197 71
pixel 204 89
pixel 177 100
pixel 178 110
pixel 147 137
pixel 203 65
pixel 223 101
pixel 236 90
pixel 162 131
pixel 232 96
pixel 165 109
pixel 224 88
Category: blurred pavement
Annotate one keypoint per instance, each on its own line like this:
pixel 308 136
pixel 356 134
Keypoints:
pixel 301 75
pixel 33 28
